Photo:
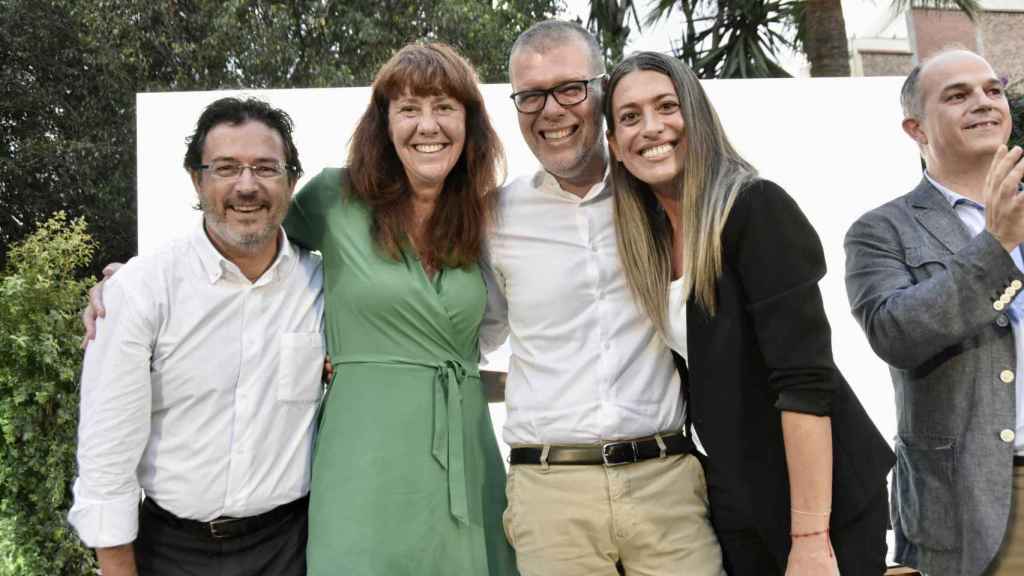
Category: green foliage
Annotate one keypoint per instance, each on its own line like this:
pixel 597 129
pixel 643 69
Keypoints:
pixel 609 21
pixel 733 39
pixel 72 68
pixel 39 364
pixel 742 38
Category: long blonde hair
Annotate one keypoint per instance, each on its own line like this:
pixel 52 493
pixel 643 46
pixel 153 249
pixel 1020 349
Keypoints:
pixel 713 176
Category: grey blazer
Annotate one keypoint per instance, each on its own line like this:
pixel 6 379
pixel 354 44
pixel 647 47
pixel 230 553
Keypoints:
pixel 924 292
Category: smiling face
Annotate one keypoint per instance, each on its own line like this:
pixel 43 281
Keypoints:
pixel 243 214
pixel 566 140
pixel 966 115
pixel 428 133
pixel 648 134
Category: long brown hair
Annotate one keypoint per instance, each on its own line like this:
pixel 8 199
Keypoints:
pixel 714 173
pixel 455 230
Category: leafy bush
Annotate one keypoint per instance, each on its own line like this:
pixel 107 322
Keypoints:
pixel 39 367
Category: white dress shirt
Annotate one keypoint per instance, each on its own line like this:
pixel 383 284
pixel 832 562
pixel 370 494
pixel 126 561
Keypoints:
pixel 586 364
pixel 200 389
pixel 675 317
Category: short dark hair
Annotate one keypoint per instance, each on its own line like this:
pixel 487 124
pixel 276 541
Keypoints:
pixel 235 111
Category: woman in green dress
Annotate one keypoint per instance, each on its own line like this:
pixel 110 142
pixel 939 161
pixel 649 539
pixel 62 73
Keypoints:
pixel 407 477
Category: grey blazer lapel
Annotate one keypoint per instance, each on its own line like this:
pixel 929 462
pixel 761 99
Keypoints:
pixel 936 216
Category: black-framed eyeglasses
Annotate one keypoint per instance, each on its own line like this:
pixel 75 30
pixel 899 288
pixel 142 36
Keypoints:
pixel 229 170
pixel 567 94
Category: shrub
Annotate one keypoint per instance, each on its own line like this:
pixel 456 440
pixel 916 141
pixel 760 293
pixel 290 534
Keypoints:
pixel 39 366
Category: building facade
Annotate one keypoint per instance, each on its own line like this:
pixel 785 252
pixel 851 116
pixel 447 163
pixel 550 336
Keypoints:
pixel 897 41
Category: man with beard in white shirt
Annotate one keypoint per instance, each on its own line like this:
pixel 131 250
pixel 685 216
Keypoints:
pixel 201 388
pixel 602 471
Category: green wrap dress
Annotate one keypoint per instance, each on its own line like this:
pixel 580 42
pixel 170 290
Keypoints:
pixel 407 478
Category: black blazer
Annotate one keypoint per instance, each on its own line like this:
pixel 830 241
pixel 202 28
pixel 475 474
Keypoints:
pixel 767 349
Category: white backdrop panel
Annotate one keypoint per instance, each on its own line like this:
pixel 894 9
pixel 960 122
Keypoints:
pixel 834 144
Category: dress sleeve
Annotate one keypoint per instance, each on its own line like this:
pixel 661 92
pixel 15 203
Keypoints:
pixel 779 260
pixel 306 222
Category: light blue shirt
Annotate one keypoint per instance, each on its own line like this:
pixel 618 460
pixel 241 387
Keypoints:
pixel 972 214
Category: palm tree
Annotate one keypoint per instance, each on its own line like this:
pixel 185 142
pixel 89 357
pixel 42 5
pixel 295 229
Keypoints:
pixel 821 30
pixel 731 38
pixel 609 19
pixel 741 38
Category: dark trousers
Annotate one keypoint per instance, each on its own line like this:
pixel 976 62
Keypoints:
pixel 164 548
pixel 859 546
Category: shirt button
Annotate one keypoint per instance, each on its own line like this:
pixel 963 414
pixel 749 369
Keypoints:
pixel 1002 321
pixel 1007 436
pixel 1006 376
pixel 607 345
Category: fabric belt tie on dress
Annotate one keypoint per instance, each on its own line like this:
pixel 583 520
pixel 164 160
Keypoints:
pixel 447 444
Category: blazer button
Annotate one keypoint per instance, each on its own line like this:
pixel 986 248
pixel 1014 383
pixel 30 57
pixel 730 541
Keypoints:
pixel 1005 299
pixel 998 305
pixel 1006 376
pixel 1007 436
pixel 1002 321
pixel 1016 284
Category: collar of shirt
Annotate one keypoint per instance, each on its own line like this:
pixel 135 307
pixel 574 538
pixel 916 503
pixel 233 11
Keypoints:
pixel 216 265
pixel 547 182
pixel 952 197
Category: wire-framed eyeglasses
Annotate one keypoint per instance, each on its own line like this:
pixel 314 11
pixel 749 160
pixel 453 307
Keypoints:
pixel 230 170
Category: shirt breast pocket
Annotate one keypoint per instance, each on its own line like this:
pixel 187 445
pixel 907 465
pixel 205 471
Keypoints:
pixel 301 364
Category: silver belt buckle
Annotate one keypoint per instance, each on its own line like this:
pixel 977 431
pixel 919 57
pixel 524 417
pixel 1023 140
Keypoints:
pixel 606 449
pixel 213 524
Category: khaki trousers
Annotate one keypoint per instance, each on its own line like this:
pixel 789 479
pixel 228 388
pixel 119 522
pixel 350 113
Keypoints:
pixel 579 520
pixel 1010 559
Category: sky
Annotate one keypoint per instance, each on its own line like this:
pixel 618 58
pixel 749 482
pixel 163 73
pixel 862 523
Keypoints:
pixel 859 15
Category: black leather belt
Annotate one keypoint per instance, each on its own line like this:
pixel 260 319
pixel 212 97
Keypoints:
pixel 610 454
pixel 226 526
pixel 1018 460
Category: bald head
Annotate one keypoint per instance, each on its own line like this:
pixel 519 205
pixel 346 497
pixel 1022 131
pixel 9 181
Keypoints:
pixel 911 95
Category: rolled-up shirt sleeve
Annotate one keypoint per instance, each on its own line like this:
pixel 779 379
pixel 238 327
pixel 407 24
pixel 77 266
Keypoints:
pixel 114 423
pixel 494 329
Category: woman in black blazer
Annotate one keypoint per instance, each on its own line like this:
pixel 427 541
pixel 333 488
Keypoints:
pixel 728 267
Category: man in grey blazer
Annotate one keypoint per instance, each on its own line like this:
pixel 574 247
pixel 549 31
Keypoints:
pixel 933 278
